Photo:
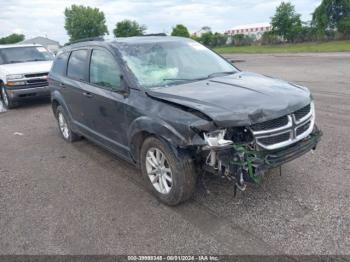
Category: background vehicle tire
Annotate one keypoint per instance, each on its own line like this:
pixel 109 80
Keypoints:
pixel 173 175
pixel 64 126
pixel 7 102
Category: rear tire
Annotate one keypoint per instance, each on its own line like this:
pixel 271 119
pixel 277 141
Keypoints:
pixel 173 174
pixel 7 101
pixel 64 126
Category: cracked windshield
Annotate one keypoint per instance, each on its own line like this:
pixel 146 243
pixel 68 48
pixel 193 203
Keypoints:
pixel 170 63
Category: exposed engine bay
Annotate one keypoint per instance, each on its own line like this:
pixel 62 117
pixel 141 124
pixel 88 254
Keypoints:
pixel 244 154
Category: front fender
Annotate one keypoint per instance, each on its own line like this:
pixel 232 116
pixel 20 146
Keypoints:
pixel 157 127
pixel 144 126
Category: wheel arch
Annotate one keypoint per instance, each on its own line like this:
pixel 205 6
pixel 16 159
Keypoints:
pixel 144 127
pixel 58 100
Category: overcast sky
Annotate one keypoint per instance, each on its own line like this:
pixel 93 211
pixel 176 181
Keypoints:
pixel 45 17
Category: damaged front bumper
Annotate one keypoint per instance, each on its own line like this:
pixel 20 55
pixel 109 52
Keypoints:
pixel 247 163
pixel 277 158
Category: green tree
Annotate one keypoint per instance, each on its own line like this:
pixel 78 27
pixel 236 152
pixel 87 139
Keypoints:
pixel 344 26
pixel 270 38
pixel 82 22
pixel 219 39
pixel 180 30
pixel 128 28
pixel 286 22
pixel 11 39
pixel 207 38
pixel 332 15
pixel 243 40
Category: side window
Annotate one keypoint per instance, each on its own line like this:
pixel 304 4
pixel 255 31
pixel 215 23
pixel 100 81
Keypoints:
pixel 104 70
pixel 77 64
pixel 59 65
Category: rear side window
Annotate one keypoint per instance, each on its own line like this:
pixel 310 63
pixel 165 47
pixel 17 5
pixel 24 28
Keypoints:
pixel 77 64
pixel 59 65
pixel 104 70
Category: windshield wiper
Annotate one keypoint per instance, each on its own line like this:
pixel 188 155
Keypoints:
pixel 222 73
pixel 200 78
pixel 184 79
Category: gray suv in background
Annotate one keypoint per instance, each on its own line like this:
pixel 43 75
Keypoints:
pixel 176 109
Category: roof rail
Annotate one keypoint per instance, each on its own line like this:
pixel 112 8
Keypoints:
pixel 158 34
pixel 98 38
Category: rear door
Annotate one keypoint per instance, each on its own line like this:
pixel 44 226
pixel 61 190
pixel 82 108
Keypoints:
pixel 72 87
pixel 106 111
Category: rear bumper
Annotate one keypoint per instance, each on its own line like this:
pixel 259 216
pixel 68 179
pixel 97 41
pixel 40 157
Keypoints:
pixel 24 93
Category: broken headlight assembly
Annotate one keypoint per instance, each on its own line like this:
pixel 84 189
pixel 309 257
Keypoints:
pixel 216 139
pixel 220 153
pixel 220 146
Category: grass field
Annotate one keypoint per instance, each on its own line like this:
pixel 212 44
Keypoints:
pixel 334 46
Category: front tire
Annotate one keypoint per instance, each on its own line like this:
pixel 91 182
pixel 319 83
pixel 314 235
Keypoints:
pixel 171 177
pixel 7 101
pixel 64 126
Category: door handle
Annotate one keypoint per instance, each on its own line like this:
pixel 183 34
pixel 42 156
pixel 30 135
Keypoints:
pixel 87 94
pixel 62 85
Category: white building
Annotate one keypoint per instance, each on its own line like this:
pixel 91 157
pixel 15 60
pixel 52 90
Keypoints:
pixel 51 45
pixel 255 30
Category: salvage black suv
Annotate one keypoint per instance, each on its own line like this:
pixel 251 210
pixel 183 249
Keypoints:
pixel 177 109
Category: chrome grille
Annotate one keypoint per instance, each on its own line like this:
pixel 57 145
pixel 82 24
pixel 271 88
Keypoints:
pixel 271 140
pixel 34 80
pixel 36 75
pixel 283 131
pixel 271 124
pixel 37 81
pixel 303 128
pixel 299 114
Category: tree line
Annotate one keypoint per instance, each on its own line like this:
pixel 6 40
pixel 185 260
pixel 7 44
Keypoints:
pixel 330 20
pixel 11 39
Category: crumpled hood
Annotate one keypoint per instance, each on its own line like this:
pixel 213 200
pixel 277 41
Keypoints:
pixel 26 68
pixel 240 99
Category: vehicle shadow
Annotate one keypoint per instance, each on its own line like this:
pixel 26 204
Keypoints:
pixel 26 104
pixel 209 187
pixel 29 104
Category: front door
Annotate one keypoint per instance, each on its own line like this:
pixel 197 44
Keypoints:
pixel 105 105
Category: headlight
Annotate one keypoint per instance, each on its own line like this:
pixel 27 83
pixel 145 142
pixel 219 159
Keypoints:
pixel 15 83
pixel 216 138
pixel 13 77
